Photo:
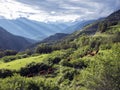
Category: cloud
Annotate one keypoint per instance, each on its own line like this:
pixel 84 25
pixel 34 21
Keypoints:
pixel 57 10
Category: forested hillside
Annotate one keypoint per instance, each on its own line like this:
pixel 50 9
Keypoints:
pixel 85 60
pixel 12 42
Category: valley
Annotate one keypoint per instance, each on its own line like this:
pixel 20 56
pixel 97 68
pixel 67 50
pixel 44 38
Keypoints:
pixel 87 59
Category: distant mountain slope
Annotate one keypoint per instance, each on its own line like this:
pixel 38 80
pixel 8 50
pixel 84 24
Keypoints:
pixel 9 41
pixel 94 27
pixel 55 37
pixel 51 39
pixel 79 25
pixel 100 25
pixel 114 16
pixel 31 29
pixel 39 30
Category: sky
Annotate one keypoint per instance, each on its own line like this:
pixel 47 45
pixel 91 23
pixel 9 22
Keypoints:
pixel 57 10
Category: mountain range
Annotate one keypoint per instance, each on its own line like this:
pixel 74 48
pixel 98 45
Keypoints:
pixel 39 30
pixel 45 32
pixel 87 59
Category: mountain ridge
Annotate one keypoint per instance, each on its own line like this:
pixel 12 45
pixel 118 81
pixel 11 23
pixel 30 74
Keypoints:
pixel 39 30
pixel 12 42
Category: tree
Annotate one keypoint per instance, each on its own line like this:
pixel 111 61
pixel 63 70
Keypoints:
pixel 102 26
pixel 43 48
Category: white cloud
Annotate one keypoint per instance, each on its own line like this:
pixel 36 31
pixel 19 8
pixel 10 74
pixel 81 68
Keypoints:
pixel 57 10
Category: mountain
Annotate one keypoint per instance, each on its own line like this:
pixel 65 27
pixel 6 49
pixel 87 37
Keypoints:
pixel 39 30
pixel 31 29
pixel 88 59
pixel 9 41
pixel 78 25
pixel 55 37
pixel 114 16
pixel 51 39
pixel 92 28
pixel 101 25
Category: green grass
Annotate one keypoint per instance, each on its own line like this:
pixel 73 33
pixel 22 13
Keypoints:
pixel 17 64
pixel 114 29
pixel 98 34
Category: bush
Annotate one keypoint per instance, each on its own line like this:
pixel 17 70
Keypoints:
pixel 11 58
pixel 1 54
pixel 105 46
pixel 10 52
pixel 8 58
pixel 66 63
pixel 79 64
pixel 116 38
pixel 69 75
pixel 17 82
pixel 7 53
pixel 33 86
pixel 5 73
pixel 43 48
pixel 35 69
pixel 52 60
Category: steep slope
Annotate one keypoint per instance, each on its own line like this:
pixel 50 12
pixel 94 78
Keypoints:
pixel 9 41
pixel 78 25
pixel 114 16
pixel 87 62
pixel 90 29
pixel 50 40
pixel 101 25
pixel 55 37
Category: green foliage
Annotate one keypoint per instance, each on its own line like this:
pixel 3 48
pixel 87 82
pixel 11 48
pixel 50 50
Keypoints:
pixel 77 64
pixel 33 86
pixel 106 46
pixel 8 58
pixel 5 73
pixel 7 53
pixel 34 69
pixel 11 58
pixel 80 62
pixel 116 37
pixel 17 82
pixel 43 48
pixel 102 26
pixel 17 64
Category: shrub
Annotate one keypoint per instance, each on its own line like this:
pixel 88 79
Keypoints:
pixel 7 53
pixel 52 60
pixel 5 73
pixel 17 82
pixel 116 38
pixel 34 69
pixel 43 48
pixel 33 86
pixel 105 46
pixel 11 58
pixel 69 75
pixel 10 52
pixel 79 64
pixel 66 63
pixel 8 58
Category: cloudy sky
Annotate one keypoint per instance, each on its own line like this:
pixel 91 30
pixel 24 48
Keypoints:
pixel 57 10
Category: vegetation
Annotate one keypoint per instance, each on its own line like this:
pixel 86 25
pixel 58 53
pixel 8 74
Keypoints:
pixel 79 62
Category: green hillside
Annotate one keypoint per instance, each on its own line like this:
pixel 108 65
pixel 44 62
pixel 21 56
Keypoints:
pixel 17 64
pixel 84 60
